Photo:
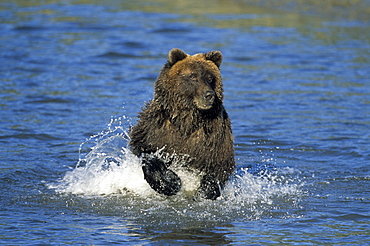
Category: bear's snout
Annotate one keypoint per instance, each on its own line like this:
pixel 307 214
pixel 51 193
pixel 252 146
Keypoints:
pixel 205 100
pixel 209 96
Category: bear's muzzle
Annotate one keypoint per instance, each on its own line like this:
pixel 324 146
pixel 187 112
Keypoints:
pixel 205 101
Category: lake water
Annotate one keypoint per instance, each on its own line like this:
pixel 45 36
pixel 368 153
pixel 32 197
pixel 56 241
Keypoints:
pixel 74 74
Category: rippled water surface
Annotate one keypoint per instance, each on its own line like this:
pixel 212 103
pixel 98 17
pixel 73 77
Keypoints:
pixel 74 74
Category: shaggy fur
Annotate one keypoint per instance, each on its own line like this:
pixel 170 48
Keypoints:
pixel 186 118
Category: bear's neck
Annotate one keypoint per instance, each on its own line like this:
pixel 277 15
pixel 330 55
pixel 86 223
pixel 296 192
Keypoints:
pixel 189 121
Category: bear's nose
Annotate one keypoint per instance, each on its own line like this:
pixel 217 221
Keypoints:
pixel 209 96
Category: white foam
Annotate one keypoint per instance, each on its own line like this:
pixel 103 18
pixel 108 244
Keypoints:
pixel 264 188
pixel 109 167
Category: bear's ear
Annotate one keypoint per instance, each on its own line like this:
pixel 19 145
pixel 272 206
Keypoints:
pixel 176 55
pixel 214 56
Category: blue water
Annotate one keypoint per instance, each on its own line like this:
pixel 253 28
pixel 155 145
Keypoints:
pixel 74 74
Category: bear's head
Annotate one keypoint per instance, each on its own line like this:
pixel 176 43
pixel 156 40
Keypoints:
pixel 189 82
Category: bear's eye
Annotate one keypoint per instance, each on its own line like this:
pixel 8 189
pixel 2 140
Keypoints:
pixel 209 79
pixel 193 76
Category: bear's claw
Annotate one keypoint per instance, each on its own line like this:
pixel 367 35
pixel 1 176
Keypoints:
pixel 209 188
pixel 159 177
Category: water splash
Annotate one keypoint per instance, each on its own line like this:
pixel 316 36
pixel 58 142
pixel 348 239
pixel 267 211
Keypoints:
pixel 107 167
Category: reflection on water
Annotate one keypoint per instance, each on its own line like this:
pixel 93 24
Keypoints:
pixel 296 90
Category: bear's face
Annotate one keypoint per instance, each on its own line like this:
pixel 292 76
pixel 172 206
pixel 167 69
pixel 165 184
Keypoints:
pixel 192 81
pixel 195 81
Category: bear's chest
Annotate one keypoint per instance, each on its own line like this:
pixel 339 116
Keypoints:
pixel 190 142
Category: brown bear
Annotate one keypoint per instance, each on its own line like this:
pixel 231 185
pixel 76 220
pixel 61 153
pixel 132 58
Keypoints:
pixel 186 119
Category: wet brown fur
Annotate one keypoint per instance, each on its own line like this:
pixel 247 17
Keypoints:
pixel 175 121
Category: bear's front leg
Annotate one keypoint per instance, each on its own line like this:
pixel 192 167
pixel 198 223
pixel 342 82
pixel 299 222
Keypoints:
pixel 159 177
pixel 209 188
